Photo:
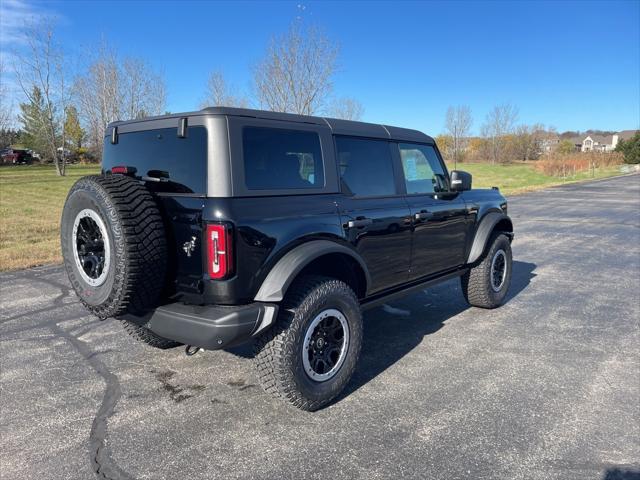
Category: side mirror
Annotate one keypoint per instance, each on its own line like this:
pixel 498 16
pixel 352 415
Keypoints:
pixel 460 181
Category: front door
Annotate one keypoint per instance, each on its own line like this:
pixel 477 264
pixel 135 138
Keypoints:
pixel 438 215
pixel 374 215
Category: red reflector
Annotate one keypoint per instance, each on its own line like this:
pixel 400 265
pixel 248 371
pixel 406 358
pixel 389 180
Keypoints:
pixel 119 170
pixel 218 251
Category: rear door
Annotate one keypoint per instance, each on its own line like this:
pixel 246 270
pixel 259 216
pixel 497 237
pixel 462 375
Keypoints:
pixel 375 216
pixel 438 215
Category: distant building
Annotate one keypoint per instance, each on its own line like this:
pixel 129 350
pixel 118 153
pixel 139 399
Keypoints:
pixel 548 141
pixel 604 143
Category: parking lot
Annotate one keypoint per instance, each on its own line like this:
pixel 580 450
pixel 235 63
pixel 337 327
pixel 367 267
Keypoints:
pixel 546 387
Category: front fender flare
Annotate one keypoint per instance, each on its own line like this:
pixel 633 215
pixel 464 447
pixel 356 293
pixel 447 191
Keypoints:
pixel 488 222
pixel 282 274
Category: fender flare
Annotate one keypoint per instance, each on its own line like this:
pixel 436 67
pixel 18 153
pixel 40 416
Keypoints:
pixel 483 232
pixel 291 264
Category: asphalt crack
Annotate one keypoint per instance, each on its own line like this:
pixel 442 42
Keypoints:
pixel 101 461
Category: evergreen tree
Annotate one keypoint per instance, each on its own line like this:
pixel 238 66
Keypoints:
pixel 630 148
pixel 73 131
pixel 33 116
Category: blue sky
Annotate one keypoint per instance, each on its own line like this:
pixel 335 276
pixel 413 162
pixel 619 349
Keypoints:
pixel 572 65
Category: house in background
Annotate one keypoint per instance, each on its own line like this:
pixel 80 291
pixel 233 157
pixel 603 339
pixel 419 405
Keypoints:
pixel 604 143
pixel 577 142
pixel 548 142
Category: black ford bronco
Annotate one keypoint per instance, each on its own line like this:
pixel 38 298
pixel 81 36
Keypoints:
pixel 227 225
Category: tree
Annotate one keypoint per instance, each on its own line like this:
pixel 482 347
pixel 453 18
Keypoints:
pixel 445 145
pixel 114 89
pixel 566 146
pixel 6 107
pixel 296 73
pixel 527 141
pixel 75 133
pixel 499 122
pixel 218 93
pixel 8 137
pixel 457 124
pixel 32 113
pixel 630 148
pixel 142 89
pixel 40 69
pixel 346 108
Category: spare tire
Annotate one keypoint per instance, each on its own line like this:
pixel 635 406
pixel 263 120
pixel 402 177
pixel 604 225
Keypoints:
pixel 114 245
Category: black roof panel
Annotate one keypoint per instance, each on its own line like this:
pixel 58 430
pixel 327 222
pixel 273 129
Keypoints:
pixel 337 126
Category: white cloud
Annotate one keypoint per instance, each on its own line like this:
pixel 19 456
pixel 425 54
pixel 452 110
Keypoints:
pixel 16 16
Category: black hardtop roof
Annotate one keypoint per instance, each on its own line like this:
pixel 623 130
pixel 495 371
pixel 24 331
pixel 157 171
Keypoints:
pixel 337 126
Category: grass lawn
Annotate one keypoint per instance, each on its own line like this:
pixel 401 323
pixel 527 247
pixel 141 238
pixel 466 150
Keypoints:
pixel 523 177
pixel 32 197
pixel 31 201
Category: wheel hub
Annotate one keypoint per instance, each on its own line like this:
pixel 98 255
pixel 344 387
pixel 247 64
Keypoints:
pixel 325 345
pixel 91 249
pixel 498 270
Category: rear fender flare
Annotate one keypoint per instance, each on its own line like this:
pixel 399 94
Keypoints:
pixel 291 264
pixel 483 232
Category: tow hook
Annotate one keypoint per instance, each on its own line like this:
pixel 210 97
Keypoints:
pixel 190 350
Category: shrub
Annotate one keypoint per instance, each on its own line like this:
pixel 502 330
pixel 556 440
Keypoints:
pixel 630 149
pixel 569 165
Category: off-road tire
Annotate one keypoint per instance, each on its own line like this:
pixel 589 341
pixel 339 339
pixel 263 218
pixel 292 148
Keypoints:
pixel 278 352
pixel 476 283
pixel 143 334
pixel 136 273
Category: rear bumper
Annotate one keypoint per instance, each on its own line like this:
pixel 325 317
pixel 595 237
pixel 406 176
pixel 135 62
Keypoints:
pixel 210 327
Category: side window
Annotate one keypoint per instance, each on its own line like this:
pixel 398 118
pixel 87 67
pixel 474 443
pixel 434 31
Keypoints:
pixel 423 172
pixel 366 166
pixel 279 159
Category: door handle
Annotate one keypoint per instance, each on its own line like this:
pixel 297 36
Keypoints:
pixel 423 215
pixel 359 222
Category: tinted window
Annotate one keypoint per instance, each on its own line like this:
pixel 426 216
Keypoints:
pixel 276 159
pixel 366 166
pixel 423 171
pixel 180 162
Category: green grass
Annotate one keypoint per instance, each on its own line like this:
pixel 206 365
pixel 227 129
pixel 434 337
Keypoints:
pixel 31 200
pixel 32 197
pixel 523 177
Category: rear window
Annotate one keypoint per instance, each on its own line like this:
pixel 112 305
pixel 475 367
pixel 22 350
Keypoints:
pixel 280 159
pixel 180 163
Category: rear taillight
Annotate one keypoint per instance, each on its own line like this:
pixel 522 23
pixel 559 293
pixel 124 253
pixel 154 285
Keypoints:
pixel 219 247
pixel 119 169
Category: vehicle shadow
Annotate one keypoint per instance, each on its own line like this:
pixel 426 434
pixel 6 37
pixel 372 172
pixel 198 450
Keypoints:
pixel 392 331
pixel 620 474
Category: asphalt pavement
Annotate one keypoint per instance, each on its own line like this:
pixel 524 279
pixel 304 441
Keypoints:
pixel 546 387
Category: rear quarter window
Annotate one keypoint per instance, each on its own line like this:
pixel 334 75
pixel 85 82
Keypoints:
pixel 281 159
pixel 180 163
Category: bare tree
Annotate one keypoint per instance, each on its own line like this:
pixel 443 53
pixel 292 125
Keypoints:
pixel 40 67
pixel 499 122
pixel 458 125
pixel 528 141
pixel 114 89
pixel 296 73
pixel 6 106
pixel 346 108
pixel 97 93
pixel 218 93
pixel 143 90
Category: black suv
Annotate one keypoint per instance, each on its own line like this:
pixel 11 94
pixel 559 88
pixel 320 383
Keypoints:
pixel 226 225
